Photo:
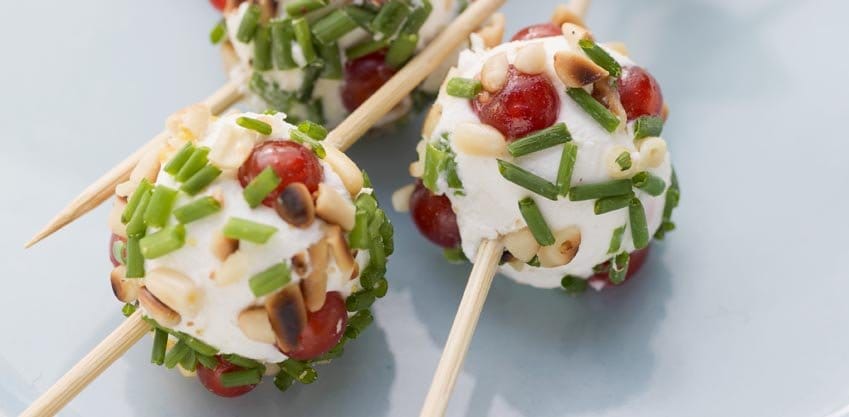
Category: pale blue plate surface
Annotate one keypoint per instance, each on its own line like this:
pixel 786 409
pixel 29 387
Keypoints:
pixel 743 311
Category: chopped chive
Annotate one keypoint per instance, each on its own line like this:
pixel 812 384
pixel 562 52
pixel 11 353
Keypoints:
pixel 163 242
pixel 567 166
pixel 639 227
pixel 624 161
pixel 537 141
pixel 534 262
pixel 313 130
pixel 359 234
pixel 143 189
pixel 387 233
pixel 189 362
pixel 241 229
pixel 454 255
pixel 304 37
pixel 315 110
pixel 600 190
pixel 157 354
pixel 197 210
pixel 179 159
pixel 527 180
pixel 651 184
pixel 282 36
pixel 362 49
pixel 128 309
pixel 242 361
pixel 434 160
pixel 390 17
pixel 619 268
pixel 333 26
pixel 417 18
pixel 381 287
pixel 536 222
pixel 136 227
pixel 135 260
pixel 254 124
pixel 608 204
pixel 300 371
pixel 283 381
pixel 249 23
pixel 197 345
pixel 357 323
pixel 304 139
pixel 201 180
pixel 463 87
pixel 573 285
pixel 673 195
pixel 196 161
pixel 648 126
pixel 208 362
pixel 260 187
pixel 176 354
pixel 596 110
pixel 241 378
pixel 270 93
pixel 367 180
pixel 262 49
pixel 299 8
pixel 270 280
pixel 331 56
pixel 401 50
pixel 218 32
pixel 159 208
pixel 361 15
pixel 311 74
pixel 360 301
pixel 616 239
pixel 601 57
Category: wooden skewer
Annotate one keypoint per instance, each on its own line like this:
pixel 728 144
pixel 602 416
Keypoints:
pixel 468 313
pixel 92 365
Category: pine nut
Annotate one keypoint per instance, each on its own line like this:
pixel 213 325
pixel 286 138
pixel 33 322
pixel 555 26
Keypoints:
pixel 432 120
pixel 339 249
pixel 652 152
pixel 576 70
pixel 314 285
pixel 564 14
pixel 521 244
pixel 492 33
pixel 287 315
pixel 233 269
pixel 531 59
pixel 567 242
pixel 494 73
pixel 346 169
pixel 479 140
pixel 333 208
pixel 125 289
pixel 115 225
pixel 401 198
pixel 175 290
pixel 156 309
pixel 253 321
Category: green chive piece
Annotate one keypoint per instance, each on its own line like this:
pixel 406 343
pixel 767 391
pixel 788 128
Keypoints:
pixel 283 381
pixel 304 139
pixel 381 287
pixel 537 141
pixel 332 59
pixel 135 260
pixel 300 371
pixel 362 49
pixel 173 166
pixel 208 362
pixel 418 18
pixel 651 184
pixel 673 196
pixel 333 26
pixel 401 50
pixel 616 239
pixel 197 345
pixel 454 255
pixel 534 262
pixel 359 234
pixel 218 32
pixel 357 323
pixel 254 124
pixel 366 180
pixel 163 242
pixel 189 362
pixel 567 166
pixel 270 280
pixel 463 87
pixel 243 361
pixel 608 204
pixel 600 190
pixel 361 15
pixel 536 222
pixel 176 354
pixel 157 354
pixel 270 93
pixel 596 110
pixel 573 285
pixel 241 229
pixel 360 301
pixel 196 161
pixel 301 7
pixel 136 227
pixel 434 160
pixel 128 309
pixel 259 188
pixel 161 203
pixel 639 227
pixel 624 161
pixel 390 17
pixel 648 126
pixel 197 210
pixel 282 36
pixel 619 268
pixel 315 110
pixel 241 378
pixel 143 189
pixel 601 57
pixel 201 180
pixel 313 130
pixel 304 37
pixel 528 180
pixel 387 233
pixel 249 23
pixel 262 49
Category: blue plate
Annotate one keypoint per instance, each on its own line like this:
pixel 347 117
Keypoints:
pixel 742 311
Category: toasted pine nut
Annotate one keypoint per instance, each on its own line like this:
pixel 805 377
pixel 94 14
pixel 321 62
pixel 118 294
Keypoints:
pixel 296 206
pixel 287 315
pixel 432 120
pixel 355 273
pixel 492 33
pixel 314 285
pixel 335 209
pixel 564 14
pixel 300 264
pixel 346 169
pixel 222 247
pixel 576 70
pixel 521 244
pixel 479 139
pixel 401 198
pixel 125 289
pixel 148 167
pixel 193 119
pixel 531 59
pixel 253 321
pixel 156 309
pixel 233 269
pixel 232 147
pixel 575 33
pixel 652 152
pixel 175 290
pixel 494 73
pixel 339 249
pixel 115 225
pixel 618 47
pixel 126 188
pixel 566 244
pixel 613 168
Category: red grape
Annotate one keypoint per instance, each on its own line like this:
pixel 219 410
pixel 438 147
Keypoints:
pixel 364 76
pixel 541 30
pixel 638 258
pixel 640 93
pixel 211 379
pixel 112 240
pixel 219 4
pixel 434 217
pixel 527 103
pixel 291 161
pixel 324 329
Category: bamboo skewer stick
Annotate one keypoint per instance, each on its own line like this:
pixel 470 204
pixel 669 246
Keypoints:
pixel 468 313
pixel 87 369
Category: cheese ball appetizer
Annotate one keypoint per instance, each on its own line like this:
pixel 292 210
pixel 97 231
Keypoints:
pixel 551 142
pixel 250 247
pixel 320 59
